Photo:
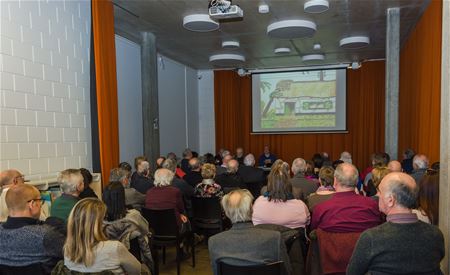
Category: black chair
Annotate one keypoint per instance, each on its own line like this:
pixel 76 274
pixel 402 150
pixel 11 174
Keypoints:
pixel 260 269
pixel 28 269
pixel 166 233
pixel 207 214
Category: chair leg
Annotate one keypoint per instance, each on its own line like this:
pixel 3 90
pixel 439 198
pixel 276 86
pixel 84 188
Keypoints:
pixel 178 258
pixel 164 254
pixel 193 249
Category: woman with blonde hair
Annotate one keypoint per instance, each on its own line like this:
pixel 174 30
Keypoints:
pixel 277 205
pixel 378 173
pixel 208 188
pixel 87 249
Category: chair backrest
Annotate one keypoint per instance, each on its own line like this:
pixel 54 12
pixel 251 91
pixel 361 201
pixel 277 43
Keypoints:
pixel 260 269
pixel 162 221
pixel 207 208
pixel 28 269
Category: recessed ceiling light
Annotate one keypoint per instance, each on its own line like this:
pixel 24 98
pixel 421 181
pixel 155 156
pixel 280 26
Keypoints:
pixel 316 6
pixel 199 23
pixel 282 50
pixel 226 59
pixel 263 8
pixel 313 57
pixel 290 29
pixel 354 42
pixel 230 44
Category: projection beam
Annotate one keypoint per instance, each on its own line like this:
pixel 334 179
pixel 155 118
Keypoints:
pixel 392 81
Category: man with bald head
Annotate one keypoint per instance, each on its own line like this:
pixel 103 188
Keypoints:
pixel 420 166
pixel 231 179
pixel 402 245
pixel 194 177
pixel 24 239
pixel 346 211
pixel 8 178
pixel 245 244
pixel 395 166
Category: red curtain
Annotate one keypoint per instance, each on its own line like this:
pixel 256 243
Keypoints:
pixel 106 85
pixel 365 119
pixel 420 85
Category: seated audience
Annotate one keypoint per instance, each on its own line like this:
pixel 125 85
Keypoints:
pixel 428 200
pixel 239 155
pixel 267 158
pixel 254 178
pixel 301 186
pixel 71 185
pixel 88 250
pixel 137 161
pixel 222 168
pixel 159 162
pixel 187 191
pixel 87 180
pixel 24 239
pixel 377 161
pixel 194 177
pixel 277 205
pixel 378 173
pixel 187 155
pixel 346 211
pixel 407 162
pixel 420 165
pixel 166 196
pixel 231 179
pixel 245 244
pixel 325 191
pixel 209 158
pixel 8 179
pixel 309 173
pixel 395 166
pixel 124 225
pixel 208 188
pixel 317 159
pixel 402 245
pixel 346 157
pixel 142 180
pixel 133 198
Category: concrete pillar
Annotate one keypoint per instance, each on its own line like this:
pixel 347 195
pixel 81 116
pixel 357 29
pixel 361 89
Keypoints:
pixel 392 81
pixel 444 178
pixel 150 113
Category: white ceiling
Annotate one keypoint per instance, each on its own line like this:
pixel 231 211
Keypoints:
pixel 164 18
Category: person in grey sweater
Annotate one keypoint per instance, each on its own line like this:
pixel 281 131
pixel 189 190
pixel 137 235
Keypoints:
pixel 24 239
pixel 402 245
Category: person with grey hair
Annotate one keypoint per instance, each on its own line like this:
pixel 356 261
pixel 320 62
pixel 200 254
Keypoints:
pixel 346 157
pixel 420 166
pixel 165 196
pixel 346 211
pixel 231 179
pixel 301 186
pixel 254 178
pixel 71 185
pixel 222 168
pixel 133 198
pixel 142 180
pixel 186 190
pixel 245 244
pixel 402 245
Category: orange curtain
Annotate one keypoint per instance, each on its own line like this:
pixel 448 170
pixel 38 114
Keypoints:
pixel 420 85
pixel 106 85
pixel 365 119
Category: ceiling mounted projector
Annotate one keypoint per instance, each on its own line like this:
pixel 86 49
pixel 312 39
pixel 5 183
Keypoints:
pixel 354 42
pixel 291 29
pixel 233 11
pixel 316 6
pixel 199 23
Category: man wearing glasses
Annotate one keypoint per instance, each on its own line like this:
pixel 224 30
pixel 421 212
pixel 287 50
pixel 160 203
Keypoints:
pixel 25 240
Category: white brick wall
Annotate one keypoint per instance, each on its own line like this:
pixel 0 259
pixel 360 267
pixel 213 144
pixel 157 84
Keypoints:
pixel 44 86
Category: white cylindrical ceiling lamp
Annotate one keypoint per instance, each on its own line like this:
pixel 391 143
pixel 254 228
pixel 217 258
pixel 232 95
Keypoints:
pixel 291 29
pixel 199 23
pixel 282 50
pixel 230 44
pixel 226 59
pixel 313 57
pixel 354 42
pixel 316 6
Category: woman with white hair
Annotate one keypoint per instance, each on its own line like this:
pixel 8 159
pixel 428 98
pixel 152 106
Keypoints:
pixel 166 196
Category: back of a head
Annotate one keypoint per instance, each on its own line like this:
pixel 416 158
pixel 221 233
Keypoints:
pixel 163 177
pixel 209 158
pixel 346 157
pixel 318 160
pixel 170 164
pixel 346 175
pixel 428 198
pixel 144 167
pixel 126 166
pixel 279 187
pixel 378 173
pixel 87 177
pixel 187 153
pixel 232 166
pixel 194 164
pixel 420 162
pixel 298 166
pixel 208 171
pixel 238 205
pixel 85 230
pixel 118 175
pixel 403 188
pixel 69 181
pixel 249 160
pixel 138 160
pixel 18 197
pixel 378 160
pixel 8 177
pixel 114 198
pixel 395 166
pixel 409 153
pixel 226 159
pixel 326 176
